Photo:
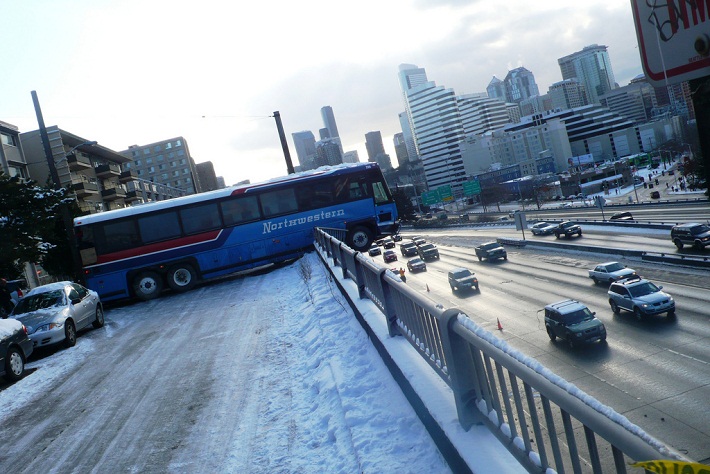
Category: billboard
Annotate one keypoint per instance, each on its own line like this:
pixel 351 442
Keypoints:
pixel 674 39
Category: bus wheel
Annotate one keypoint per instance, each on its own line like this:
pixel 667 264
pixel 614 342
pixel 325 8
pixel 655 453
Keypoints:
pixel 359 238
pixel 181 277
pixel 147 285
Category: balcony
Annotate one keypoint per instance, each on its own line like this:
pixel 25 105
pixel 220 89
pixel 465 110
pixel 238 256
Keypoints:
pixel 108 170
pixel 132 196
pixel 78 162
pixel 126 176
pixel 111 194
pixel 84 188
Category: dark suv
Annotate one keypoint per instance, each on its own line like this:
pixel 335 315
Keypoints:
pixel 428 252
pixel 572 322
pixel 568 229
pixel 697 235
pixel 462 279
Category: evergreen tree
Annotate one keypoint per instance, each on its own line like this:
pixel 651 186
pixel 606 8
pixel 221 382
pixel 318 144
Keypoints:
pixel 29 217
pixel 405 208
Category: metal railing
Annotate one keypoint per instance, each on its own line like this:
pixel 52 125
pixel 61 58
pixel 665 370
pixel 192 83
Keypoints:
pixel 543 420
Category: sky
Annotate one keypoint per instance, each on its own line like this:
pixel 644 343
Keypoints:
pixel 213 72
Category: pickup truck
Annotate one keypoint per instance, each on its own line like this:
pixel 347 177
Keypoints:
pixel 491 251
pixel 568 229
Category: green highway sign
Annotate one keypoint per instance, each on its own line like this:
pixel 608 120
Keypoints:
pixel 471 188
pixel 430 197
pixel 445 194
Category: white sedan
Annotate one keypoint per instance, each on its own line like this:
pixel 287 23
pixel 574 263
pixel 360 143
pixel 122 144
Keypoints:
pixel 610 272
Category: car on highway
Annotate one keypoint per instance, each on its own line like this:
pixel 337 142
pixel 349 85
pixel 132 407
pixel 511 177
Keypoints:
pixel 390 256
pixel 622 216
pixel 655 195
pixel 695 234
pixel 490 251
pixel 461 278
pixel 416 265
pixel 428 252
pixel 397 238
pixel 609 272
pixel 408 249
pixel 641 297
pixel 388 243
pixel 418 241
pixel 574 323
pixel 567 229
pixel 54 313
pixel 374 251
pixel 15 348
pixel 543 228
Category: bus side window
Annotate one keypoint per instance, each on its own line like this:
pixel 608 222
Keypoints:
pixel 314 196
pixel 380 193
pixel 200 218
pixel 118 236
pixel 281 201
pixel 239 209
pixel 158 227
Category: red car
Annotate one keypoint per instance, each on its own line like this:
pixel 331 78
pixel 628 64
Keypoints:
pixel 390 256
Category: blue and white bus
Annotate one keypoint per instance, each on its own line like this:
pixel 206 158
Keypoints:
pixel 136 251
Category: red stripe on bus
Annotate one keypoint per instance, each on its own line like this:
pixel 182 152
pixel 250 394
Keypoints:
pixel 158 247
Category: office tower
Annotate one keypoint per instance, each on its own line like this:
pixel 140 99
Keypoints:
pixel 329 121
pixel 207 176
pixel 496 89
pixel 519 85
pixel 436 126
pixel 635 101
pixel 592 68
pixel 324 133
pixel 376 150
pixel 166 162
pixel 305 144
pixel 408 137
pixel 400 149
pixel 351 157
pixel 328 152
pixel 481 114
pixel 567 94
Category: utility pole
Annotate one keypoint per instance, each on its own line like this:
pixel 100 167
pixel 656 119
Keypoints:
pixel 284 144
pixel 63 209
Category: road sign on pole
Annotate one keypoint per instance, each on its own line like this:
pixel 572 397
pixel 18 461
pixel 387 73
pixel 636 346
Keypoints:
pixel 471 188
pixel 445 194
pixel 430 197
pixel 673 39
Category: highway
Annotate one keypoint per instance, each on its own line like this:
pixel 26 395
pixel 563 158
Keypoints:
pixel 655 372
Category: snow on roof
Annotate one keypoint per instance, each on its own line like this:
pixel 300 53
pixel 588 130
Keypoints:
pixel 8 327
pixel 49 287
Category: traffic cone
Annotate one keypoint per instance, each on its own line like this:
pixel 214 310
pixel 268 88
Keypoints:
pixel 500 327
pixel 427 287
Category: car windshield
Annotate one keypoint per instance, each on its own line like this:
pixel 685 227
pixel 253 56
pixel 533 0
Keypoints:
pixel 462 274
pixel 577 317
pixel 427 247
pixel 643 289
pixel 614 267
pixel 489 246
pixel 699 229
pixel 568 224
pixel 416 261
pixel 39 301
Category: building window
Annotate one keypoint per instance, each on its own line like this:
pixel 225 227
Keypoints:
pixel 160 157
pixel 164 175
pixel 146 151
pixel 181 152
pixel 171 155
pixel 185 171
pixel 176 173
pixel 178 143
pixel 168 146
pixel 161 166
pixel 173 164
pixel 7 139
pixel 148 161
pixel 152 169
pixel 138 162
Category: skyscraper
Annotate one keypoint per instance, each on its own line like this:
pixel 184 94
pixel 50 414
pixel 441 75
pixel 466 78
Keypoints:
pixel 329 121
pixel 592 68
pixel 567 94
pixel 436 126
pixel 481 114
pixel 376 150
pixel 519 85
pixel 305 144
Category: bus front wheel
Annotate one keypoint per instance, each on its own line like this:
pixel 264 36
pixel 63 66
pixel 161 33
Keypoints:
pixel 181 277
pixel 147 285
pixel 360 238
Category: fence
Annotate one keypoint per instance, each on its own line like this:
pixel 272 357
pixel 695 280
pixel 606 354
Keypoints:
pixel 543 420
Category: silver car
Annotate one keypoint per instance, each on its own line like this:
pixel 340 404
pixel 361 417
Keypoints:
pixel 54 313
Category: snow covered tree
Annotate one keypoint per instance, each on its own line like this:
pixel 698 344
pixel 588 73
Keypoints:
pixel 29 218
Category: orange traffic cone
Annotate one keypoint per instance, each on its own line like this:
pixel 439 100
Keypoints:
pixel 500 327
pixel 427 286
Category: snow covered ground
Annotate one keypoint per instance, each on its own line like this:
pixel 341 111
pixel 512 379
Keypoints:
pixel 256 374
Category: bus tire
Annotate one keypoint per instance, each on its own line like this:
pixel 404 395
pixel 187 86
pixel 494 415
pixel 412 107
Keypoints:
pixel 359 238
pixel 181 277
pixel 147 285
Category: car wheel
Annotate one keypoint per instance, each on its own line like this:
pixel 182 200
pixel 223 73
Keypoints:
pixel 698 245
pixel 477 288
pixel 14 364
pixel 147 285
pixel 181 277
pixel 359 238
pixel 678 244
pixel 480 258
pixel 69 334
pixel 638 314
pixel 570 342
pixel 670 314
pixel 551 334
pixel 557 235
pixel 579 233
pixel 99 321
pixel 594 279
pixel 505 258
pixel 614 307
